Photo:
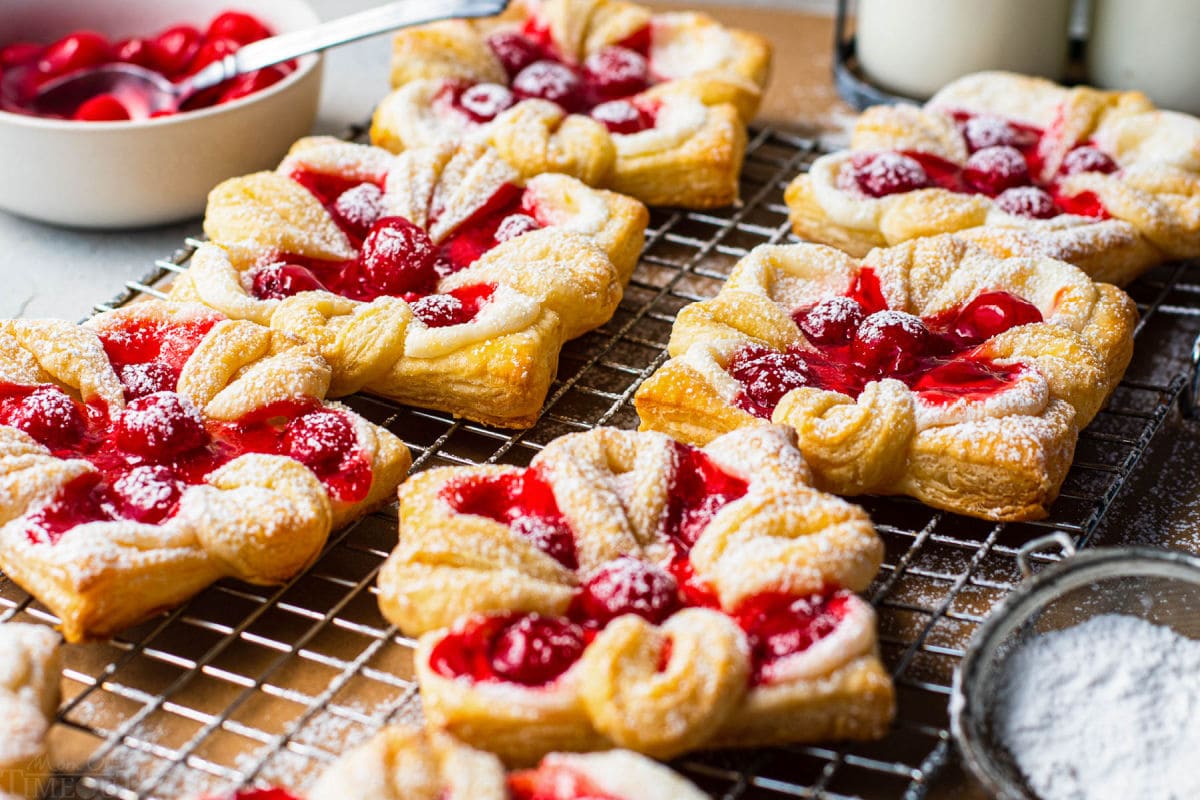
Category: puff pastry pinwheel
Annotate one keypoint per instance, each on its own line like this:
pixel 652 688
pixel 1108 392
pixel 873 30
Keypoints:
pixel 162 446
pixel 933 369
pixel 629 591
pixel 653 105
pixel 1100 179
pixel 29 692
pixel 436 277
pixel 407 763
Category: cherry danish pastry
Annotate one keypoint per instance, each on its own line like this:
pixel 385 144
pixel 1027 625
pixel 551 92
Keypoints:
pixel 161 447
pixel 1100 179
pixel 651 105
pixel 436 277
pixel 629 591
pixel 29 693
pixel 933 368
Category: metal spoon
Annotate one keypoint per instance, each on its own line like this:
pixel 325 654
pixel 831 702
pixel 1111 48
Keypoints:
pixel 147 92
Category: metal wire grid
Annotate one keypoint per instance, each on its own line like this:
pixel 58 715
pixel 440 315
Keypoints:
pixel 248 684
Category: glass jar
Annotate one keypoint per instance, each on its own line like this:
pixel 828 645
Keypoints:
pixel 1149 45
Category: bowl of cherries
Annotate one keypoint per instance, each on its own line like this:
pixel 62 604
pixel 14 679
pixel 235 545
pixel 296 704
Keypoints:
pixel 107 162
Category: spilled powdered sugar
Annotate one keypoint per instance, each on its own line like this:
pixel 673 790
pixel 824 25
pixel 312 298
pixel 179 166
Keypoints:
pixel 1106 710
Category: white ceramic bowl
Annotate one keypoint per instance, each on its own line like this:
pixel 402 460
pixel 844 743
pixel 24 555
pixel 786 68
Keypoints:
pixel 141 173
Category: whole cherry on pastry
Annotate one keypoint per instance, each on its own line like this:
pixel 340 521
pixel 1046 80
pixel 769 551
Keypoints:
pixel 832 321
pixel 615 72
pixel 148 493
pixel 991 314
pixel 1087 159
pixel 890 173
pixel 622 116
pixel 160 426
pixel 48 415
pixel 994 169
pixel 146 378
pixel 398 257
pixel 534 650
pixel 1027 201
pixel 549 80
pixel 319 439
pixel 514 51
pixel 983 131
pixel 484 101
pixel 276 281
pixel 358 208
pixel 628 585
pixel 890 342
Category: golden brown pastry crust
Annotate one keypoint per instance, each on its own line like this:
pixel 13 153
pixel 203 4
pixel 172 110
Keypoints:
pixel 1000 461
pixel 612 486
pixel 713 79
pixel 261 518
pixel 30 663
pixel 1152 199
pixel 553 284
pixel 413 764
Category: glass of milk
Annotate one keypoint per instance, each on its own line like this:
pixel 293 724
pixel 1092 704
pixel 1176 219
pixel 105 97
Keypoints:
pixel 1150 45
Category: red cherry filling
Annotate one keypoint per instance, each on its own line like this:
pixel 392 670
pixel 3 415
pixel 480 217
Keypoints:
pixel 456 307
pixel 255 794
pixel 699 489
pixel 148 356
pixel 514 51
pixel 627 585
pixel 554 781
pixel 528 649
pixel 173 53
pixel 623 116
pixel 44 412
pixel 890 173
pixel 615 72
pixel 522 500
pixel 780 625
pixel 994 169
pixel 1027 201
pixel 160 426
pixel 851 348
pixel 549 80
pixel 1087 159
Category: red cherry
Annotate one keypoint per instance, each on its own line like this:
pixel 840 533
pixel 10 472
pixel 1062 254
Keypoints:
pixel 320 440
pixel 398 257
pixel 484 101
pixel 622 116
pixel 137 50
pixel 140 380
pixel 19 53
pixel 102 108
pixel 514 51
pixel 994 169
pixel 252 82
pixel 767 375
pixel 549 80
pixel 831 321
pixel 991 314
pixel 49 415
pixel 213 50
pixel 616 72
pixel 890 342
pixel 1087 159
pixel 535 650
pixel 1027 201
pixel 242 28
pixel 515 225
pixel 276 281
pixel 76 51
pixel 891 173
pixel 177 47
pixel 982 132
pixel 148 494
pixel 627 585
pixel 358 208
pixel 160 425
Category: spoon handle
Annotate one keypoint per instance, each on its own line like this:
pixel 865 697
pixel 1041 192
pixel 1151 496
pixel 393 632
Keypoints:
pixel 287 46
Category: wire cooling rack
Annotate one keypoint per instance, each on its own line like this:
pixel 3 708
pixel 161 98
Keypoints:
pixel 246 684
